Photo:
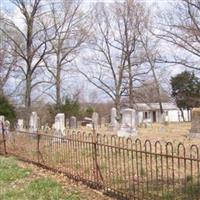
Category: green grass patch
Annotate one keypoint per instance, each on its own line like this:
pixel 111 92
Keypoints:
pixel 41 189
pixel 15 184
pixel 44 188
pixel 10 171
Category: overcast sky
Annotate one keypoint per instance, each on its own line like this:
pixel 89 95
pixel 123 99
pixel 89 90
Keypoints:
pixel 6 5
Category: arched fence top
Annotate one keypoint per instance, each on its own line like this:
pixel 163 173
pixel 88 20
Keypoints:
pixel 155 146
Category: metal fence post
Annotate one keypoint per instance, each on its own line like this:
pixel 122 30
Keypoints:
pixel 94 153
pixel 97 171
pixel 38 147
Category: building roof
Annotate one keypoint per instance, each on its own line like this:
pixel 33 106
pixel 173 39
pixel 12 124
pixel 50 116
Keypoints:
pixel 154 106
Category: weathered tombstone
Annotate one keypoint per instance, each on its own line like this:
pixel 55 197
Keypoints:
pixel 95 119
pixel 195 126
pixel 20 124
pixel 113 121
pixel 2 119
pixel 46 128
pixel 147 123
pixel 72 122
pixel 33 123
pixel 60 123
pixel 128 125
pixel 2 123
pixel 7 126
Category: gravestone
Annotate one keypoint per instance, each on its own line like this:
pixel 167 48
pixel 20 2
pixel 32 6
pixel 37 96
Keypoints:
pixel 33 123
pixel 60 123
pixel 2 119
pixel 47 128
pixel 2 123
pixel 147 123
pixel 128 125
pixel 20 124
pixel 195 126
pixel 95 119
pixel 113 121
pixel 72 122
pixel 7 126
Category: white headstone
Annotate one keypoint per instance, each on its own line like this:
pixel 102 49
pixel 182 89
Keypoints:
pixel 114 123
pixel 60 123
pixel 2 122
pixel 95 119
pixel 128 125
pixel 20 124
pixel 72 122
pixel 2 119
pixel 33 123
pixel 7 126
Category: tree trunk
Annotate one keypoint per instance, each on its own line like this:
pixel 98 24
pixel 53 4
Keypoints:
pixel 1 91
pixel 118 106
pixel 58 89
pixel 27 100
pixel 130 86
pixel 182 114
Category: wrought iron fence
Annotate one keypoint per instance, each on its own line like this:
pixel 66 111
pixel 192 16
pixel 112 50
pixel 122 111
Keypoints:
pixel 123 168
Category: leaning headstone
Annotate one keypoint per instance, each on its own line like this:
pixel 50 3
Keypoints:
pixel 95 119
pixel 20 124
pixel 33 123
pixel 128 125
pixel 72 122
pixel 60 123
pixel 195 126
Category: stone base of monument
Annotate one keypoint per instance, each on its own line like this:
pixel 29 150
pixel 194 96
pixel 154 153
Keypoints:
pixel 127 132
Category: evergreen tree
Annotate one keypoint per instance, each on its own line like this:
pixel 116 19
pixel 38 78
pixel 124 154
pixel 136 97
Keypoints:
pixel 7 109
pixel 186 90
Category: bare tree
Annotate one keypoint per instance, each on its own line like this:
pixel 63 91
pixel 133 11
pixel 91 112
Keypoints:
pixel 105 62
pixel 152 59
pixel 181 28
pixel 116 60
pixel 132 23
pixel 7 62
pixel 69 27
pixel 30 45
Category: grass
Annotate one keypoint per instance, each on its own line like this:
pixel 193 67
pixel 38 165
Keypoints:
pixel 10 171
pixel 16 183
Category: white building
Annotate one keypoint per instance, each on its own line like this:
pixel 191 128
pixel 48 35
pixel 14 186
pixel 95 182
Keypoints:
pixel 151 111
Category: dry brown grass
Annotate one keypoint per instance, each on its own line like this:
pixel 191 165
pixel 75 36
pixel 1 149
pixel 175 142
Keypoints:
pixel 172 132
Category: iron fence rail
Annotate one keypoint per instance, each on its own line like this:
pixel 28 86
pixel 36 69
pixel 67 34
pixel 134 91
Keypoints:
pixel 123 168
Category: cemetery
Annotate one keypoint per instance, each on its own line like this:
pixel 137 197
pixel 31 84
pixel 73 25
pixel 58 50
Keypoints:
pixel 140 154
pixel 99 99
